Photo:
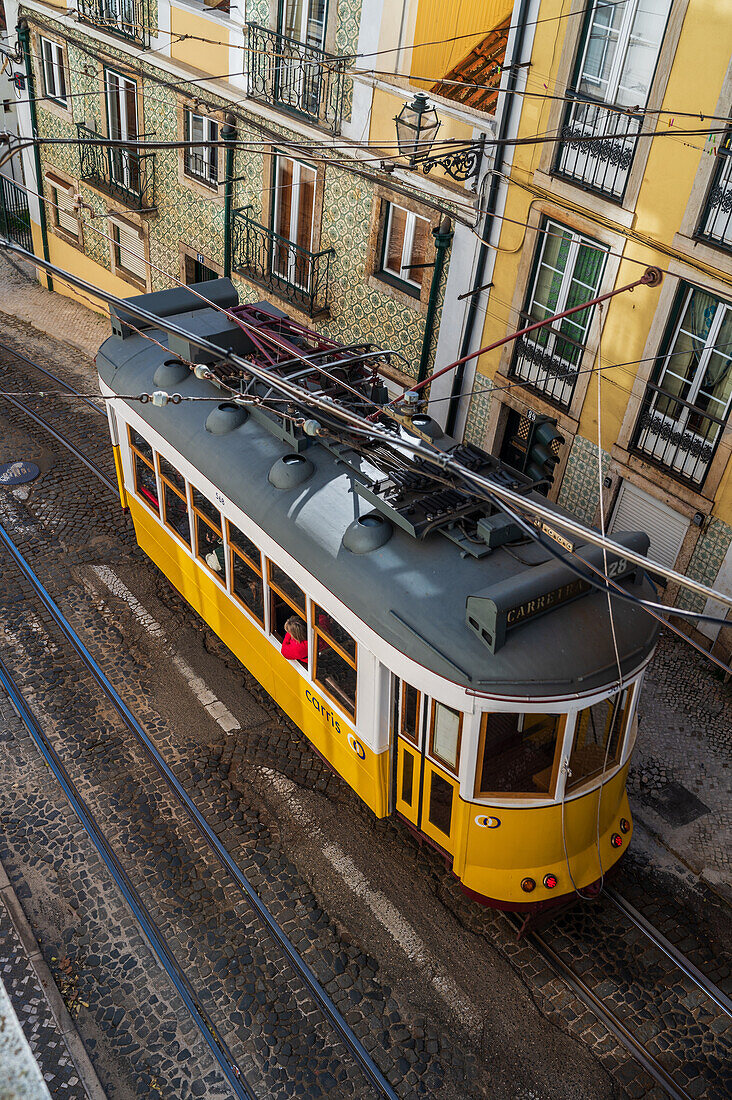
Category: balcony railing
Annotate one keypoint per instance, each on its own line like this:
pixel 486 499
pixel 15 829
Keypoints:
pixel 548 361
pixel 716 221
pixel 297 78
pixel 287 269
pixel 677 435
pixel 126 173
pixel 596 147
pixel 128 19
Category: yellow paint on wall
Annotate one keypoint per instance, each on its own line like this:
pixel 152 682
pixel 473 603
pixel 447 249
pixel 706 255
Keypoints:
pixel 205 56
pixel 438 21
pixel 386 106
pixel 77 263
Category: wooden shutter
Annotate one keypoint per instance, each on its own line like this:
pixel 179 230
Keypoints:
pixel 639 511
pixel 64 214
pixel 131 249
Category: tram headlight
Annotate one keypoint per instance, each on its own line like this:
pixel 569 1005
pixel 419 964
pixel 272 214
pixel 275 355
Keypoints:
pixel 550 881
pixel 624 825
pixel 527 885
pixel 616 840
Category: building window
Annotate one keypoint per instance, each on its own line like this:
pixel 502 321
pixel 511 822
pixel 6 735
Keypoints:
pixel 246 573
pixel 716 220
pixel 598 739
pixel 568 269
pixel 334 661
pixel 404 248
pixel 209 540
pixel 175 501
pixel 518 754
pixel 201 161
pixel 143 466
pixel 63 211
pixel 616 62
pixel 446 733
pixel 54 73
pixel 685 408
pixel 129 250
pixel 286 599
pixel 293 221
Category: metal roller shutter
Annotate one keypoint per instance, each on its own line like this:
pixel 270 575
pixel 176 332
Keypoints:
pixel 638 511
pixel 131 249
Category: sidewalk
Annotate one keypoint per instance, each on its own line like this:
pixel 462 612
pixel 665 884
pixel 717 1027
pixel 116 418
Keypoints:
pixel 23 298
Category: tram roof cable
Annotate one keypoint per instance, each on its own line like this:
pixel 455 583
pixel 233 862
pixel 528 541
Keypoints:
pixel 431 455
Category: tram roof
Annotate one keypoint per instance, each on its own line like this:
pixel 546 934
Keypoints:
pixel 411 592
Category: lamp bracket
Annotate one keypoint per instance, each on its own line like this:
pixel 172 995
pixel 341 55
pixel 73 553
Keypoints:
pixel 461 165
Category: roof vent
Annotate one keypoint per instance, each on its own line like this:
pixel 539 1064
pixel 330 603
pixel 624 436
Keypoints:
pixel 225 417
pixel 426 425
pixel 367 533
pixel 170 373
pixel 290 471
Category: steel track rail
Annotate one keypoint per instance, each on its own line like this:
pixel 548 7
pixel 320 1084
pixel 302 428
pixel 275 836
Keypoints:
pixel 603 1013
pixel 140 912
pixel 326 1004
pixel 54 378
pixel 106 482
pixel 721 1000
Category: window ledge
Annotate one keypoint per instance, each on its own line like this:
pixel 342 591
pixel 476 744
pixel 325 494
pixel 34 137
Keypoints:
pixel 403 297
pixel 590 200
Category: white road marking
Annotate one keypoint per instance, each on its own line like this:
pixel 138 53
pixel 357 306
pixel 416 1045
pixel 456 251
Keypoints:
pixel 384 910
pixel 198 686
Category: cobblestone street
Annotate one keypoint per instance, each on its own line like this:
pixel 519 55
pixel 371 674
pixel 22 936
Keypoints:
pixel 439 990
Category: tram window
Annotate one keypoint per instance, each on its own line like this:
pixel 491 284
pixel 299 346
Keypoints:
pixel 517 753
pixel 598 736
pixel 407 777
pixel 209 541
pixel 410 713
pixel 175 504
pixel 447 727
pixel 246 573
pixel 285 598
pixel 440 807
pixel 146 485
pixel 335 660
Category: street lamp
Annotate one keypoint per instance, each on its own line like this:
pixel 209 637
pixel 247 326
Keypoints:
pixel 417 125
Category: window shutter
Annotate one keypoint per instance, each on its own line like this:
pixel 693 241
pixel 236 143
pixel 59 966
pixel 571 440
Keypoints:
pixel 63 195
pixel 638 511
pixel 131 250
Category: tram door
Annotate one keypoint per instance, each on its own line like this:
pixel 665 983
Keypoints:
pixel 426 793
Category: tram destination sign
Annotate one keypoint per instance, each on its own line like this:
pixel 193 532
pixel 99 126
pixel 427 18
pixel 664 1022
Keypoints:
pixel 493 613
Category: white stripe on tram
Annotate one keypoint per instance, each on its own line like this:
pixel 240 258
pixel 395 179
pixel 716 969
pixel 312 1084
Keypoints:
pixel 198 686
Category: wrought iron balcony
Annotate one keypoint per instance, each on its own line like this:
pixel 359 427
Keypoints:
pixel 287 269
pixel 548 361
pixel 300 79
pixel 716 220
pixel 124 172
pixel 596 146
pixel 128 19
pixel 677 435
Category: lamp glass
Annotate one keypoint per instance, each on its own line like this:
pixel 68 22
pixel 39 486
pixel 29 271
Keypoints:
pixel 416 126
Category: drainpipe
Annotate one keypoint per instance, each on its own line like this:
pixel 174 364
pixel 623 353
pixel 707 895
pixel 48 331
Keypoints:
pixel 24 39
pixel 443 235
pixel 493 192
pixel 228 134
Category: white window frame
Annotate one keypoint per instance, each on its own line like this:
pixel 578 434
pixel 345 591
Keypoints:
pixel 58 210
pixel 121 252
pixel 407 245
pixel 54 71
pixel 209 153
pixel 623 43
pixel 291 272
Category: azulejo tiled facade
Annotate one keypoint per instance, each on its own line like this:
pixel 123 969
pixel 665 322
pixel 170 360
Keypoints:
pixel 580 485
pixel 706 561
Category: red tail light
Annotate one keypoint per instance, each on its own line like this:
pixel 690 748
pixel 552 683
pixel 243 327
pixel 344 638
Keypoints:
pixel 550 881
pixel 616 840
pixel 624 825
pixel 527 885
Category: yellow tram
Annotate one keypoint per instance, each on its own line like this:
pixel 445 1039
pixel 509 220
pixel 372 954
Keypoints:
pixel 456 674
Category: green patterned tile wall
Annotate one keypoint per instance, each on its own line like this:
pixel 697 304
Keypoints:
pixel 706 561
pixel 476 424
pixel 579 489
pixel 257 11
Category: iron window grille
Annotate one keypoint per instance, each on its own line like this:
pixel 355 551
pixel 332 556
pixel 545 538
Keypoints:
pixel 716 220
pixel 14 214
pixel 567 270
pixel 128 19
pixel 615 68
pixel 685 409
pixel 298 78
pixel 125 172
pixel 278 264
pixel 201 162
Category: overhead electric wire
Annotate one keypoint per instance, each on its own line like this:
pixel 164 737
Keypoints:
pixel 431 455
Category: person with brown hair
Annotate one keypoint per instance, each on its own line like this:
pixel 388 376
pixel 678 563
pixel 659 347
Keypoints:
pixel 295 641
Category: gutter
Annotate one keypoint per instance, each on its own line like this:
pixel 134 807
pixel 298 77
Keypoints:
pixel 24 40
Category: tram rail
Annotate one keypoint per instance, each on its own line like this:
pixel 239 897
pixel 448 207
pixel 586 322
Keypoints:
pixel 320 997
pixel 600 1003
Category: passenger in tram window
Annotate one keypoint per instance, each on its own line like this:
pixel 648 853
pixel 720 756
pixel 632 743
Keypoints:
pixel 214 558
pixel 295 642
